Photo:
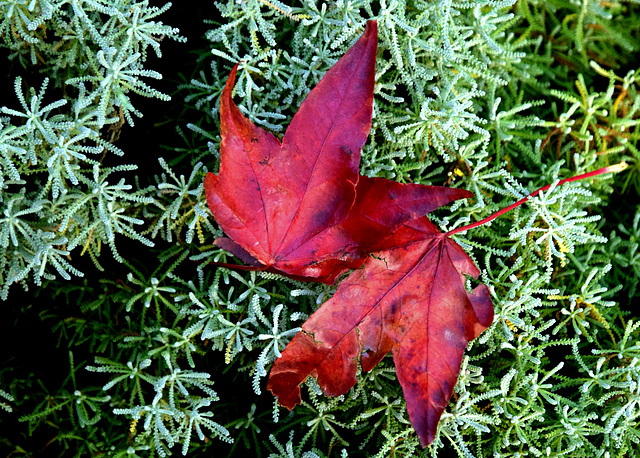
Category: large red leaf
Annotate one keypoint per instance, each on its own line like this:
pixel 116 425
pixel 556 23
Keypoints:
pixel 299 206
pixel 411 300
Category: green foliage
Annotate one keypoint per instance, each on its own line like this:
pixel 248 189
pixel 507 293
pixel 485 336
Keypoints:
pixel 57 195
pixel 169 354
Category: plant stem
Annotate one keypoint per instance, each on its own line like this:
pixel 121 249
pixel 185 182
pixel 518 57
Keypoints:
pixel 611 169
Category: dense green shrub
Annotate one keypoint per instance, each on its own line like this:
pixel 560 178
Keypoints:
pixel 147 349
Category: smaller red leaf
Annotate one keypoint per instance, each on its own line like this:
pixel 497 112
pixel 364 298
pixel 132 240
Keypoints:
pixel 410 300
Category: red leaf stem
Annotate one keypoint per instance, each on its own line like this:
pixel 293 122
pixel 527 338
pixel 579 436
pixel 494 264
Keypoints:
pixel 610 169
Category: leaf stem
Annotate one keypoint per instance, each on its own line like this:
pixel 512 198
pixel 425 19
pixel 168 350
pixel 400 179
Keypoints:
pixel 611 169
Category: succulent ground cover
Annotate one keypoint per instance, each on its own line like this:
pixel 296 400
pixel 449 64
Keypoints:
pixel 124 336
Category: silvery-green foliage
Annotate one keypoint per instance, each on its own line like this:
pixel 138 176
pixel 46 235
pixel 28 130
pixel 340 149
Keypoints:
pixel 498 97
pixel 277 335
pixel 185 204
pixel 176 409
pixel 118 74
pixel 290 451
pixel 623 251
pixel 56 197
pixel 173 403
pixel 6 397
pixel 84 35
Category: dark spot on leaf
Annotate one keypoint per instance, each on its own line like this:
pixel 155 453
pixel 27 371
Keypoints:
pixel 320 217
pixel 394 308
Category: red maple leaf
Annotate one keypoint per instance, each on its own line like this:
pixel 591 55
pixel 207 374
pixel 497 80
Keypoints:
pixel 298 206
pixel 410 300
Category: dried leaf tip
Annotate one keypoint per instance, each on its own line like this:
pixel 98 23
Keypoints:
pixel 615 168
